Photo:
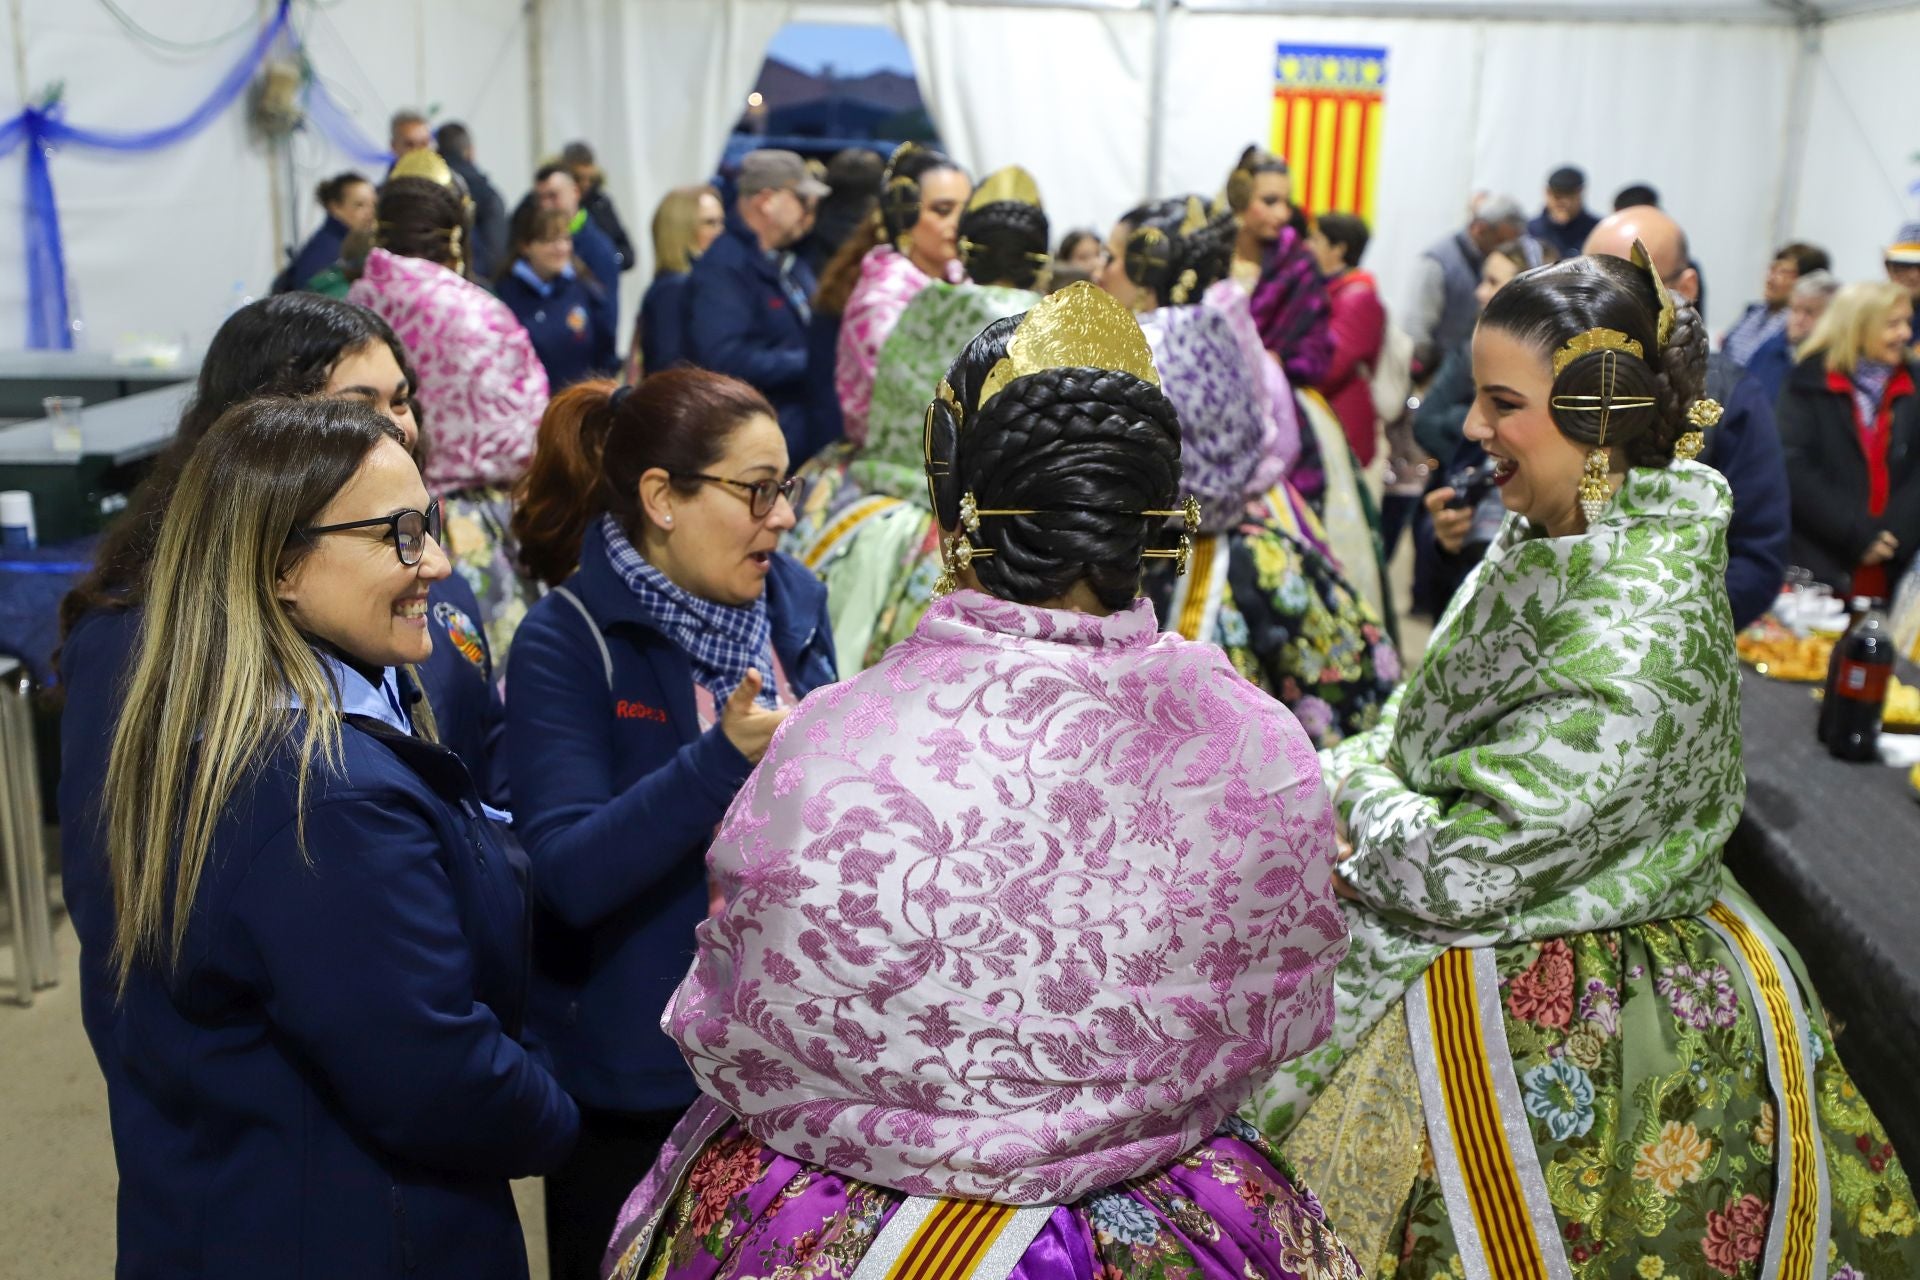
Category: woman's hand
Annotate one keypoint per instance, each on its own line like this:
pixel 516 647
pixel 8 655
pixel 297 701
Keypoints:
pixel 1883 549
pixel 749 726
pixel 1450 525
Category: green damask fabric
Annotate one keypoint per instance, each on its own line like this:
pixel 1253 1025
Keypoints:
pixel 1557 780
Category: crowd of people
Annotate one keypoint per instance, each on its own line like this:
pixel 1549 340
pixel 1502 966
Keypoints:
pixel 910 766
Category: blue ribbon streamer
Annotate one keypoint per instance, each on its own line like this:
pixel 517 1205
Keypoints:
pixel 41 129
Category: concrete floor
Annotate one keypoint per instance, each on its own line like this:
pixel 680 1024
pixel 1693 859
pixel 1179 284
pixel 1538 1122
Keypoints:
pixel 57 1177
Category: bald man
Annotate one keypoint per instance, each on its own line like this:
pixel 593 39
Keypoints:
pixel 1745 447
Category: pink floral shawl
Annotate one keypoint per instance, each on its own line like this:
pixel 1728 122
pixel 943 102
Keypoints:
pixel 1020 912
pixel 482 389
pixel 888 282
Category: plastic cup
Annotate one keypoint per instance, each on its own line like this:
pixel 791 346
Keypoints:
pixel 63 415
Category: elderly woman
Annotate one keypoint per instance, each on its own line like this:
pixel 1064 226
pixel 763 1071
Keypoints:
pixel 1566 1041
pixel 1850 427
pixel 1013 917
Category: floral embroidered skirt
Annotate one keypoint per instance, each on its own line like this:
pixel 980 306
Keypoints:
pixel 732 1208
pixel 1640 1058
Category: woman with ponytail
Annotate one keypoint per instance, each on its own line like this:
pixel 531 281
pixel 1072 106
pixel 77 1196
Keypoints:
pixel 481 384
pixel 1013 918
pixel 646 685
pixel 1566 1040
pixel 912 241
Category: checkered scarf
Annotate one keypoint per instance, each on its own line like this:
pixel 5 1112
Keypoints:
pixel 722 640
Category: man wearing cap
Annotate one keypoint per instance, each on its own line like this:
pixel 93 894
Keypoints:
pixel 1565 223
pixel 749 299
pixel 1903 263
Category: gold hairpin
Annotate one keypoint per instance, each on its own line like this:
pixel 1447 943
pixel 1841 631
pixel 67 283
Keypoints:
pixel 971 511
pixel 1180 554
pixel 1668 311
pixel 1594 340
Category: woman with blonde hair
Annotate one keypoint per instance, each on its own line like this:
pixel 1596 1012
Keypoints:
pixel 1849 425
pixel 320 933
pixel 687 221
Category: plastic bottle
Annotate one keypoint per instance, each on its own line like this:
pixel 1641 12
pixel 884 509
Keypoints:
pixel 1860 690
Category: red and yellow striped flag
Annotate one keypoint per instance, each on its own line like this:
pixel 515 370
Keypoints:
pixel 1329 104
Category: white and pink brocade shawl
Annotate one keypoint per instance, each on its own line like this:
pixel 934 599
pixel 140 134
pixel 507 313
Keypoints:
pixel 888 282
pixel 1020 912
pixel 482 389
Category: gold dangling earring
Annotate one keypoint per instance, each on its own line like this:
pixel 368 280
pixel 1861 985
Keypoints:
pixel 945 584
pixel 1594 491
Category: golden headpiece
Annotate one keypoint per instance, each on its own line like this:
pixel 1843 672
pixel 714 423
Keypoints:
pixel 1011 185
pixel 1668 311
pixel 1079 327
pixel 425 163
pixel 1594 340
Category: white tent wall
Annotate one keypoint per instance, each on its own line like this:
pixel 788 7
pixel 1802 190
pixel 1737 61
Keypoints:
pixel 1698 110
pixel 156 242
pixel 1862 136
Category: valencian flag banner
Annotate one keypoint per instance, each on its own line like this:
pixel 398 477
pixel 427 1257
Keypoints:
pixel 1329 103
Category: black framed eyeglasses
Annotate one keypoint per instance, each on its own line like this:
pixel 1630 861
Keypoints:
pixel 407 530
pixel 761 494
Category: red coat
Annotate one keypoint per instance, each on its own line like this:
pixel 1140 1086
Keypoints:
pixel 1359 327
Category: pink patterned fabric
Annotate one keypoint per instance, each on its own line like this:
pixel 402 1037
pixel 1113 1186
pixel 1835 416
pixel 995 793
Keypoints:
pixel 1280 448
pixel 1019 912
pixel 482 389
pixel 888 282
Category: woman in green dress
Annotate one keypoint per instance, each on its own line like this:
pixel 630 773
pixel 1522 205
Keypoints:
pixel 1566 1043
pixel 864 526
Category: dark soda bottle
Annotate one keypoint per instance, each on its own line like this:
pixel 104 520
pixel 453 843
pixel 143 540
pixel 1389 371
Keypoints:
pixel 1857 608
pixel 1860 691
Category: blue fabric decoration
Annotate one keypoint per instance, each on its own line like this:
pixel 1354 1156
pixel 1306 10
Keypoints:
pixel 43 128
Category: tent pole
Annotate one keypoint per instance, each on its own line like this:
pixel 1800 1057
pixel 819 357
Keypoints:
pixel 1157 99
pixel 1793 153
pixel 536 79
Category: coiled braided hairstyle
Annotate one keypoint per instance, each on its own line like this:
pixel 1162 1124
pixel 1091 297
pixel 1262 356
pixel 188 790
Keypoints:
pixel 1005 243
pixel 419 218
pixel 1084 447
pixel 1549 306
pixel 1178 266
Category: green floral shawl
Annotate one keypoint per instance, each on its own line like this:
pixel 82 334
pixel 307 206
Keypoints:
pixel 1566 758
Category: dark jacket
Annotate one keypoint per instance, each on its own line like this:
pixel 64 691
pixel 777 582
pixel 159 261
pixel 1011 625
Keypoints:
pixel 566 319
pixel 662 328
pixel 1832 526
pixel 617 793
pixel 331 1084
pixel 826 420
pixel 743 323
pixel 1569 239
pixel 463 689
pixel 458 681
pixel 1440 423
pixel 1770 365
pixel 1745 448
pixel 599 207
pixel 490 228
pixel 598 255
pixel 321 251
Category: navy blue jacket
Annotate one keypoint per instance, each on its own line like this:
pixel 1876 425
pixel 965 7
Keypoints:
pixel 662 328
pixel 566 319
pixel 616 794
pixel 330 1084
pixel 321 251
pixel 1769 366
pixel 1568 239
pixel 463 689
pixel 741 322
pixel 597 254
pixel 1745 448
pixel 826 421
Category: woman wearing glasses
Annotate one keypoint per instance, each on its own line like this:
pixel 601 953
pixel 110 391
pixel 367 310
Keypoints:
pixel 646 686
pixel 319 935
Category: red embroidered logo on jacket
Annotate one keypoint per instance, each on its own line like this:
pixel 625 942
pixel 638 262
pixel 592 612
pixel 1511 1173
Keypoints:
pixel 625 710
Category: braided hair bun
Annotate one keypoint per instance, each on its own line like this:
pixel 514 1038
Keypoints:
pixel 1176 250
pixel 419 218
pixel 900 187
pixel 1084 447
pixel 1643 398
pixel 1005 243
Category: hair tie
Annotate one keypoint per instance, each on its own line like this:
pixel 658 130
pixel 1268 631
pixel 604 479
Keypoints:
pixel 620 393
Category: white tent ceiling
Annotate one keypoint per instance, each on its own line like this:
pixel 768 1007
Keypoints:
pixel 1757 120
